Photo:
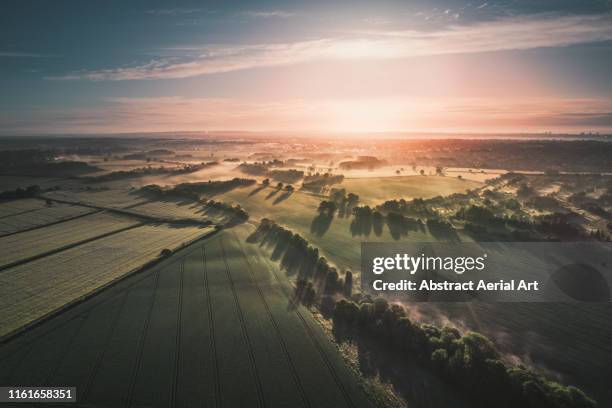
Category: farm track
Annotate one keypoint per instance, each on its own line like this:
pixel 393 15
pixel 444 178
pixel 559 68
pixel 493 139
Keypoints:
pixel 100 359
pixel 316 343
pixel 245 334
pixel 132 383
pixel 279 335
pixel 211 323
pixel 66 350
pixel 177 340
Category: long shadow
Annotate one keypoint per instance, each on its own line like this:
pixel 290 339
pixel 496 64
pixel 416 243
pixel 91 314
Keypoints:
pixel 377 225
pixel 400 228
pixel 321 223
pixel 272 194
pixel 443 232
pixel 361 226
pixel 282 197
pixel 256 190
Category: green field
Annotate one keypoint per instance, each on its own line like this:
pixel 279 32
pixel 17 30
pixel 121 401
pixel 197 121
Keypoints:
pixel 375 190
pixel 32 290
pixel 297 213
pixel 24 245
pixel 211 326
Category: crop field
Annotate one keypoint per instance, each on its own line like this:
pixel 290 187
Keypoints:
pixel 170 209
pixel 24 245
pixel 19 215
pixel 213 325
pixel 113 198
pixel 379 189
pixel 32 290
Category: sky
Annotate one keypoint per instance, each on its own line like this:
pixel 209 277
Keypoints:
pixel 93 66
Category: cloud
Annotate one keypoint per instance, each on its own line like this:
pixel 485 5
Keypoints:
pixel 268 14
pixel 159 114
pixel 516 33
pixel 174 11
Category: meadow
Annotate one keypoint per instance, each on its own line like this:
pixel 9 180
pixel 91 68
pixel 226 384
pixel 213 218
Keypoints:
pixel 297 212
pixel 374 190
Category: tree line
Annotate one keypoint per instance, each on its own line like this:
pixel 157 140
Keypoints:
pixel 469 360
pixel 315 276
pixel 194 191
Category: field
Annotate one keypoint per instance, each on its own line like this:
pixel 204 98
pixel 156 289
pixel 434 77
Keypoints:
pixel 8 183
pixel 20 215
pixel 170 209
pixel 113 198
pixel 375 190
pixel 544 331
pixel 210 326
pixel 297 212
pixel 216 324
pixel 32 290
pixel 24 245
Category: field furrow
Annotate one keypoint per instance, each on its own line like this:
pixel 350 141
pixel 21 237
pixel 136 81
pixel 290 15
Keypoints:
pixel 234 363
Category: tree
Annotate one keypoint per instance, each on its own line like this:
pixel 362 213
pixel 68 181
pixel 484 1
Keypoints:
pixel 266 182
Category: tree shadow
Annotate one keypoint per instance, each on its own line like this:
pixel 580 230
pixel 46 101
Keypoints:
pixel 272 194
pixel 282 197
pixel 377 225
pixel 442 231
pixel 361 226
pixel 256 190
pixel 321 223
pixel 400 226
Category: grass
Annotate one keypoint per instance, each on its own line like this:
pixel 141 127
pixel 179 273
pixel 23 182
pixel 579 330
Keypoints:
pixel 375 190
pixel 31 243
pixel 297 213
pixel 33 290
